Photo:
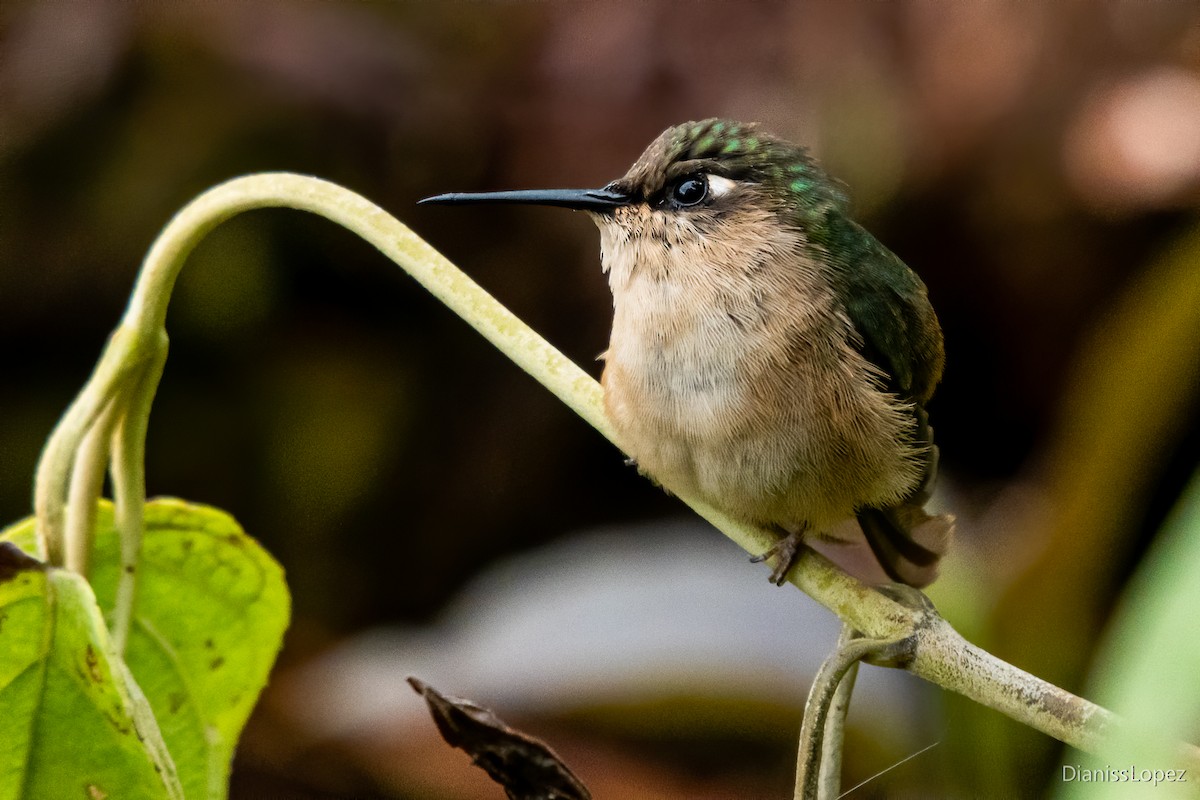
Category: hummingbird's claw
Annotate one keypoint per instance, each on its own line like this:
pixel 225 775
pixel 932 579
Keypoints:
pixel 787 551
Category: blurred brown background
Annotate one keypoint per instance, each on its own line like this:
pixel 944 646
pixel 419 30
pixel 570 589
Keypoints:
pixel 1037 164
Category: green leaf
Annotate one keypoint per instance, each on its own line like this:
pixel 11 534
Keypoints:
pixel 73 724
pixel 208 621
pixel 1147 670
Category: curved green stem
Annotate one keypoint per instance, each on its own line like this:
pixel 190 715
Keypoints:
pixel 148 305
pixel 129 489
pixel 835 730
pixel 813 772
pixel 86 483
pixel 118 362
pixel 132 361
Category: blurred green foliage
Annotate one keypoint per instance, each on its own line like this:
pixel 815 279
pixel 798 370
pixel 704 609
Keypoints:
pixel 1149 662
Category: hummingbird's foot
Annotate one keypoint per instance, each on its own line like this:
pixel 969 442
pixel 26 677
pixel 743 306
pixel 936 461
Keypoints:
pixel 786 551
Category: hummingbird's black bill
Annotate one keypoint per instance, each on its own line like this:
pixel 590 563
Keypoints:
pixel 579 199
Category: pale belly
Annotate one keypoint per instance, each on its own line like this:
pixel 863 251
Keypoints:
pixel 776 433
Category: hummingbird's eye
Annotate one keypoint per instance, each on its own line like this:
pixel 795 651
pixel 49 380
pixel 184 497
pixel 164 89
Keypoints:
pixel 690 190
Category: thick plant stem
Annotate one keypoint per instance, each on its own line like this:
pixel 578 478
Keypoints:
pixel 944 657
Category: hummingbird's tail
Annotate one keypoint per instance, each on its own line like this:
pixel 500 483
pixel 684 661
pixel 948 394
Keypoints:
pixel 907 541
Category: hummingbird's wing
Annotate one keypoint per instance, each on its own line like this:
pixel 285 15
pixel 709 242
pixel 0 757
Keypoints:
pixel 899 333
pixel 889 308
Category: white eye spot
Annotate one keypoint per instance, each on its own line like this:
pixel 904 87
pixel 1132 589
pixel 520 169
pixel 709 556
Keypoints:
pixel 718 185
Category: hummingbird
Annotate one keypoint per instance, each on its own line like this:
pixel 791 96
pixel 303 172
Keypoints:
pixel 767 354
